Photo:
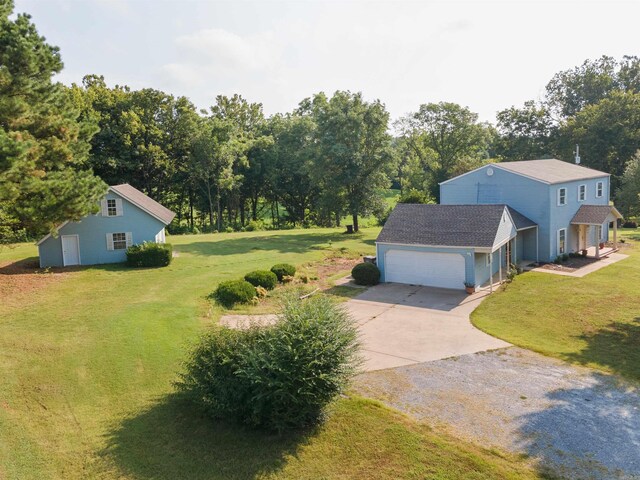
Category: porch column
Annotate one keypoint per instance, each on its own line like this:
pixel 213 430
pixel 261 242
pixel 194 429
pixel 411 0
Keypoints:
pixel 515 250
pixel 537 240
pixel 595 235
pixel 500 266
pixel 615 234
pixel 490 271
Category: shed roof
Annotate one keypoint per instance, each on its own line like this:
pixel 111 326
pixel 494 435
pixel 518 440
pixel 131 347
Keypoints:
pixel 443 225
pixel 143 201
pixel 551 171
pixel 595 214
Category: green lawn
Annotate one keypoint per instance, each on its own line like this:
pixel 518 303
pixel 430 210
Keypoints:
pixel 87 360
pixel 593 321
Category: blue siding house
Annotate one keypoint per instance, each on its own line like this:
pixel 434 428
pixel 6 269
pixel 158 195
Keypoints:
pixel 555 208
pixel 126 217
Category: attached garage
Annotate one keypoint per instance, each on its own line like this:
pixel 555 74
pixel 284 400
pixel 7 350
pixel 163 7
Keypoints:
pixel 438 245
pixel 432 269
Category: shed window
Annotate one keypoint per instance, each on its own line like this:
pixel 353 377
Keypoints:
pixel 119 241
pixel 562 241
pixel 582 193
pixel 112 210
pixel 562 196
pixel 599 189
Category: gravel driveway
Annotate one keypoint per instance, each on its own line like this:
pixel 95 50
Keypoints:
pixel 579 423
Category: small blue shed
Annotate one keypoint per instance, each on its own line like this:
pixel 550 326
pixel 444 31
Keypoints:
pixel 126 217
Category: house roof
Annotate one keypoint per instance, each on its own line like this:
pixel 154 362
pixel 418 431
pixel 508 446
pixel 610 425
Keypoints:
pixel 551 171
pixel 547 171
pixel 443 225
pixel 144 202
pixel 595 214
pixel 520 221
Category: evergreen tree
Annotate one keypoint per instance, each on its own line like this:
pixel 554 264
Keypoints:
pixel 43 147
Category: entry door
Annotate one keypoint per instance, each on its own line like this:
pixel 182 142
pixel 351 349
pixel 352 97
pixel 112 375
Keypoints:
pixel 70 250
pixel 583 237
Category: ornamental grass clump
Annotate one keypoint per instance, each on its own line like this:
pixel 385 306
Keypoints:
pixel 278 377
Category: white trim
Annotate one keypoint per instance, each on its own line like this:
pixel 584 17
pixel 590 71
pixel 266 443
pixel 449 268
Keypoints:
pixel 62 248
pixel 558 196
pixel 600 186
pixel 138 205
pixel 585 192
pixel 558 241
pixel 58 228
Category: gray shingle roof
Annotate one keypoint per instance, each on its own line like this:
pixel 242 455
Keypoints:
pixel 442 225
pixel 594 214
pixel 520 220
pixel 146 203
pixel 551 171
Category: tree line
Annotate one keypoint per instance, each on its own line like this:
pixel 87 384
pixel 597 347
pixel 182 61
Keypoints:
pixel 230 166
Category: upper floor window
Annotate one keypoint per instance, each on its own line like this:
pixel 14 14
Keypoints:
pixel 582 193
pixel 111 207
pixel 562 196
pixel 599 189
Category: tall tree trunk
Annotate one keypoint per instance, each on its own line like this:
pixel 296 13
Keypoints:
pixel 355 222
pixel 337 219
pixel 191 208
pixel 254 207
pixel 219 210
pixel 242 203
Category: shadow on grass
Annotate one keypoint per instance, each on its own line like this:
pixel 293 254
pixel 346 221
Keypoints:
pixel 586 431
pixel 616 346
pixel 174 439
pixel 343 292
pixel 296 243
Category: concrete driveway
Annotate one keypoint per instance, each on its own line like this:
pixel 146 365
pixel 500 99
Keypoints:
pixel 407 324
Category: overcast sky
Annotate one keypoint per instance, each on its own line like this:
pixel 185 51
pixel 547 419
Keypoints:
pixel 484 55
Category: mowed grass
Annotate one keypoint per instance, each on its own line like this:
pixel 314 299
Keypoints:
pixel 88 357
pixel 593 320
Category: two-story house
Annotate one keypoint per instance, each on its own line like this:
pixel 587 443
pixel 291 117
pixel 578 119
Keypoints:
pixel 126 217
pixel 493 216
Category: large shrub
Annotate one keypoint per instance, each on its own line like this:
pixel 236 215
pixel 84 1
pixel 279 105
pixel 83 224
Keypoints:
pixel 366 274
pixel 276 377
pixel 262 278
pixel 234 291
pixel 149 254
pixel 283 270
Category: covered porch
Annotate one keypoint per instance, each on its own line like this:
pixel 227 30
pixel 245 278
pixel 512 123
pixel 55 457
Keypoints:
pixel 588 226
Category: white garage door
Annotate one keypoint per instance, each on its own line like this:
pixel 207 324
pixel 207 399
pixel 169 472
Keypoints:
pixel 445 270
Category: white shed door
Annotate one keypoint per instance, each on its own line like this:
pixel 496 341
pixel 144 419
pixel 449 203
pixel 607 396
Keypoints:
pixel 445 270
pixel 70 250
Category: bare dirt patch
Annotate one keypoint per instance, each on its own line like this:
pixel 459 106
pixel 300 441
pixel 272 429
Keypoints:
pixel 19 280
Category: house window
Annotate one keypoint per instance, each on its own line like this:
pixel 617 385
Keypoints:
pixel 582 193
pixel 119 241
pixel 599 189
pixel 562 241
pixel 562 196
pixel 112 209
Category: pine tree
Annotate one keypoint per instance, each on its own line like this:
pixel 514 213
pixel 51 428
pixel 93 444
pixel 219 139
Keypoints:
pixel 44 179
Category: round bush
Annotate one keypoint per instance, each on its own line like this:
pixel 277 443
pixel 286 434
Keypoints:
pixel 276 377
pixel 283 270
pixel 366 274
pixel 234 291
pixel 262 278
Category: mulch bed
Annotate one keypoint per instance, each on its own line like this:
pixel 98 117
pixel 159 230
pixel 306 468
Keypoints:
pixel 22 278
pixel 570 265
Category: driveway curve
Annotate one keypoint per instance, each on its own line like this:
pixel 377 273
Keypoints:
pixel 407 324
